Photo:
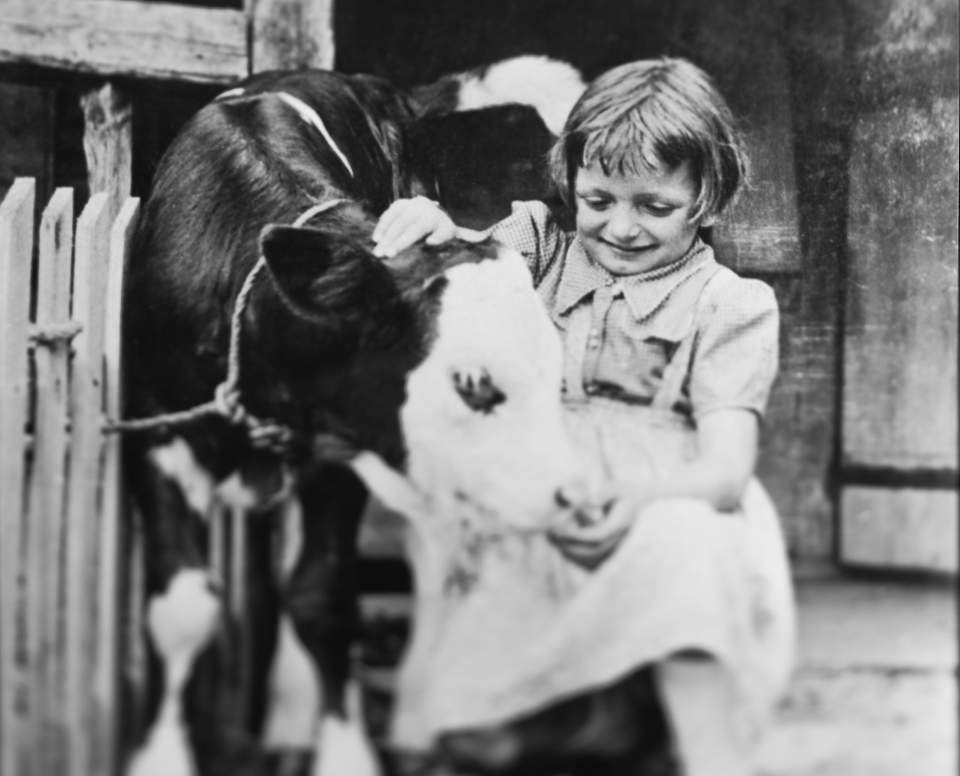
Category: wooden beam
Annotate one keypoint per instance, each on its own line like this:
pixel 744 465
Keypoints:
pixel 117 37
pixel 291 34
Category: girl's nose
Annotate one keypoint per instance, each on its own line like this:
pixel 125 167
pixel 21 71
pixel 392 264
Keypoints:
pixel 624 225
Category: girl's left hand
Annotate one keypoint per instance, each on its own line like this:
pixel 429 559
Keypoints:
pixel 589 544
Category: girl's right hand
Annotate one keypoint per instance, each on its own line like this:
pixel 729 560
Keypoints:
pixel 407 221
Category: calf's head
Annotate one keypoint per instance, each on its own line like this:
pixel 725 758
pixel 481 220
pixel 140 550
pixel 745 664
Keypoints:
pixel 441 361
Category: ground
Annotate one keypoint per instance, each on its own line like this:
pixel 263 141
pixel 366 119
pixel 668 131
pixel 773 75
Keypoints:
pixel 875 691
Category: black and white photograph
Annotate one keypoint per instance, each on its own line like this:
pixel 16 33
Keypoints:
pixel 479 388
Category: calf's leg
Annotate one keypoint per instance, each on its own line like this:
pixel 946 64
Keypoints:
pixel 321 598
pixel 183 608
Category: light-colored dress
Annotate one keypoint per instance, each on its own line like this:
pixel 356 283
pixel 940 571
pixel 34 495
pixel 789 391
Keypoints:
pixel 645 356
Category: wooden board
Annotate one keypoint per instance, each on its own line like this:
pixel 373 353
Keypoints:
pixel 46 514
pixel 289 34
pixel 16 248
pixel 903 529
pixel 83 564
pixel 155 40
pixel 900 351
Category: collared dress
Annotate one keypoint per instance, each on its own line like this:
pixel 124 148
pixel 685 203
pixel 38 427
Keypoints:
pixel 645 356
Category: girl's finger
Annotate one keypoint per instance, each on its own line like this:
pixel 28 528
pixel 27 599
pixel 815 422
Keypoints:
pixel 398 218
pixel 444 232
pixel 407 234
pixel 389 216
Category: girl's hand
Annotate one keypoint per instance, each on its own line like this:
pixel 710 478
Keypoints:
pixel 589 543
pixel 407 221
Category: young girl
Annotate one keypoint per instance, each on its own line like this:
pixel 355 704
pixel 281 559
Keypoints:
pixel 669 360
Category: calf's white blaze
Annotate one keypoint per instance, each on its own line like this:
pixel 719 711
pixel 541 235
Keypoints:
pixel 181 623
pixel 511 460
pixel 310 116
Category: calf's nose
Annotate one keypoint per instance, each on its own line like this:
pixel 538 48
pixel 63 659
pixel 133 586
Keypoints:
pixel 584 502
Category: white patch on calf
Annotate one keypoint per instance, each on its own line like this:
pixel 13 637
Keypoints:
pixel 181 623
pixel 550 86
pixel 309 115
pixel 344 747
pixel 177 462
pixel 235 92
pixel 510 459
pixel 293 703
pixel 294 694
pixel 393 490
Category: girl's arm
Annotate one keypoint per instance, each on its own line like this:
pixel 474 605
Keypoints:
pixel 718 474
pixel 725 461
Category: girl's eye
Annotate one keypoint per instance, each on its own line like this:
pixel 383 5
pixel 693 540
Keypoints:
pixel 660 211
pixel 595 203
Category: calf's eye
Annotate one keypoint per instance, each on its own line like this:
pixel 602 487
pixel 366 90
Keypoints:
pixel 477 389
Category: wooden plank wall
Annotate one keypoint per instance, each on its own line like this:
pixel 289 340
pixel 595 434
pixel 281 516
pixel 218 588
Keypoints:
pixel 899 465
pixel 771 233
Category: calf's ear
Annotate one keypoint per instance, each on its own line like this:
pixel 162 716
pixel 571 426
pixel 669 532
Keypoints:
pixel 319 272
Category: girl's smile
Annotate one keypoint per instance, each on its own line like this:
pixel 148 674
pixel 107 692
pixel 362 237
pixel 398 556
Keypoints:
pixel 636 222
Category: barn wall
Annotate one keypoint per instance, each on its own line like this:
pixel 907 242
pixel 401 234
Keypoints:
pixel 781 67
pixel 805 76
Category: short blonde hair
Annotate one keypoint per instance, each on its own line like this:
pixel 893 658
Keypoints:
pixel 646 114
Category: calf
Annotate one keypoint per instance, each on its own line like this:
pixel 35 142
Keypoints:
pixel 252 281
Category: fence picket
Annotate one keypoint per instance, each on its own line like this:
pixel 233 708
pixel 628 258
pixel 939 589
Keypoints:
pixel 16 250
pixel 105 688
pixel 90 280
pixel 46 512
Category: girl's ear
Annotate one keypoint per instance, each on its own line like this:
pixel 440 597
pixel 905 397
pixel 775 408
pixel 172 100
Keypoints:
pixel 708 220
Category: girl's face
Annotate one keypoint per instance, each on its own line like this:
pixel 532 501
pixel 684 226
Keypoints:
pixel 636 222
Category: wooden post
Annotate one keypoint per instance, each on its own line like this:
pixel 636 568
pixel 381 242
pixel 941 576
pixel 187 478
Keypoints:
pixel 90 286
pixel 47 500
pixel 291 34
pixel 16 251
pixel 107 144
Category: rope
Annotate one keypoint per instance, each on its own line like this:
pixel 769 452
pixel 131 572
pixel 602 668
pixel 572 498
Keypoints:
pixel 227 402
pixel 49 334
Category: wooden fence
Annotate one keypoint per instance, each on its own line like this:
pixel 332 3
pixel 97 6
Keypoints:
pixel 60 489
pixel 73 662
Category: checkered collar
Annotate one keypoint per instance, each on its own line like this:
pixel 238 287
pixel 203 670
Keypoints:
pixel 644 292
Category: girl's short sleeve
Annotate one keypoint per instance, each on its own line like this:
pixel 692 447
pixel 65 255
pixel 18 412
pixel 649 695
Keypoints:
pixel 532 230
pixel 737 349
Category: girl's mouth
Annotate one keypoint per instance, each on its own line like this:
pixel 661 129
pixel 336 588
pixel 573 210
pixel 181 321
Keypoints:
pixel 633 249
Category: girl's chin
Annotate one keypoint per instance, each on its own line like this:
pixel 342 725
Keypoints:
pixel 631 264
